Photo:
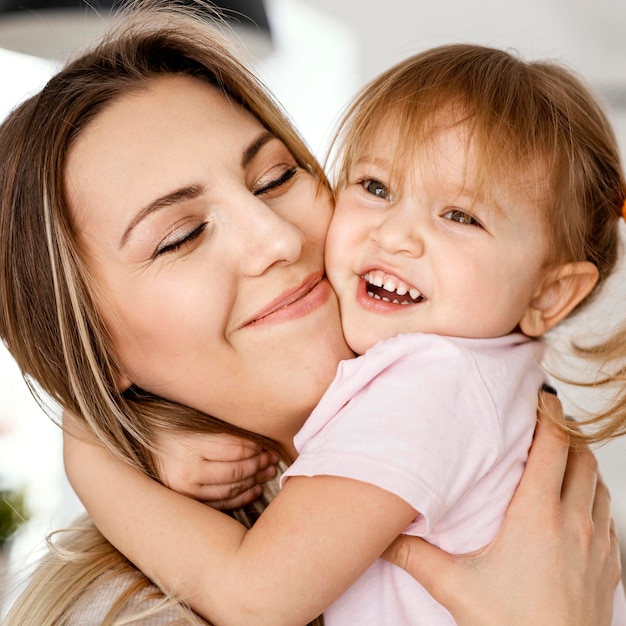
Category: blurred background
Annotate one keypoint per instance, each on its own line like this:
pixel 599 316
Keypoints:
pixel 314 55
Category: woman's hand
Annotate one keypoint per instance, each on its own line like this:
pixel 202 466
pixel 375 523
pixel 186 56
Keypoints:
pixel 555 560
pixel 223 471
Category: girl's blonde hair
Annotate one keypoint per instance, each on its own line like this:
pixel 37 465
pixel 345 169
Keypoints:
pixel 523 117
pixel 48 317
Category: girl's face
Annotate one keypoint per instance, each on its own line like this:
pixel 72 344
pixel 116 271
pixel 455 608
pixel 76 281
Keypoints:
pixel 206 244
pixel 428 251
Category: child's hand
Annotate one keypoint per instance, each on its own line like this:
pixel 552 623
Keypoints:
pixel 222 471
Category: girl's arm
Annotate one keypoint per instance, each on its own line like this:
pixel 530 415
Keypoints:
pixel 286 570
pixel 555 559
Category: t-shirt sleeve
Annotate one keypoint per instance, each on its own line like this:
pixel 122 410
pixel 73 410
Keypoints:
pixel 424 427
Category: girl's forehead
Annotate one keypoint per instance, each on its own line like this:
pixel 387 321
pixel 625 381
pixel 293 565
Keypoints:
pixel 440 149
pixel 452 142
pixel 453 158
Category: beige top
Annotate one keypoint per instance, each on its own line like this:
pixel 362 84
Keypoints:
pixel 142 607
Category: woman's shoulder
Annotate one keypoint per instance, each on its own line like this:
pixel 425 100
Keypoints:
pixel 82 580
pixel 127 596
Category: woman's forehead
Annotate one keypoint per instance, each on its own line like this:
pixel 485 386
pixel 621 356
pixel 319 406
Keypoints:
pixel 175 132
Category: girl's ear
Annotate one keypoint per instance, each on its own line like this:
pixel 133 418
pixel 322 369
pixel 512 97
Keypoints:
pixel 561 290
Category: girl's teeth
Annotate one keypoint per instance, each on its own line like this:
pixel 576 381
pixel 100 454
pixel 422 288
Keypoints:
pixel 389 285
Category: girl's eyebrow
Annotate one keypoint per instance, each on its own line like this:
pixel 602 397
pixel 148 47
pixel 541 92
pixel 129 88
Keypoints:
pixel 188 192
pixel 366 160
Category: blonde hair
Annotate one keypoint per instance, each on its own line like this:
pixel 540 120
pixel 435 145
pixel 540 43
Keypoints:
pixel 79 567
pixel 48 317
pixel 531 117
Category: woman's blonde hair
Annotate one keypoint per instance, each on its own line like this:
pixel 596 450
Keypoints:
pixel 83 578
pixel 48 317
pixel 534 118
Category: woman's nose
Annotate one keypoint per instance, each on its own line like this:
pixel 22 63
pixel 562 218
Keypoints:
pixel 266 238
pixel 398 233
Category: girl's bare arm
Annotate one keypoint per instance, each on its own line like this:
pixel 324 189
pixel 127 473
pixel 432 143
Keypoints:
pixel 316 538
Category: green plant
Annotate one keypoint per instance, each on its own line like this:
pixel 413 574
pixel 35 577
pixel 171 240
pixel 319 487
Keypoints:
pixel 13 513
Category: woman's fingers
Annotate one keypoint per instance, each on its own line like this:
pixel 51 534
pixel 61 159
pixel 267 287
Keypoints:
pixel 580 480
pixel 548 456
pixel 606 543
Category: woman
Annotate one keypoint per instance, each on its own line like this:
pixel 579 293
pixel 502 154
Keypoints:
pixel 208 269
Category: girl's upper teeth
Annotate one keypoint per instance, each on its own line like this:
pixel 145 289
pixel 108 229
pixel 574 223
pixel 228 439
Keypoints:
pixel 391 284
pixel 375 278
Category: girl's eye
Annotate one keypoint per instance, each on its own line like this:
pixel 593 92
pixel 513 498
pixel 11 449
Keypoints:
pixel 462 217
pixel 174 242
pixel 275 183
pixel 376 188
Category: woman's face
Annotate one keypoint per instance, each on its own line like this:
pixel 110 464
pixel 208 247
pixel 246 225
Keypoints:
pixel 206 243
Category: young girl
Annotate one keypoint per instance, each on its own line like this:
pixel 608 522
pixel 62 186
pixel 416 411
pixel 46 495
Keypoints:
pixel 477 206
pixel 462 198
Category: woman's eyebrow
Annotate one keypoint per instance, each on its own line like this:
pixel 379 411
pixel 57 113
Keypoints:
pixel 185 193
pixel 253 149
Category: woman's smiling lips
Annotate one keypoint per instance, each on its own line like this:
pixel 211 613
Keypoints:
pixel 295 303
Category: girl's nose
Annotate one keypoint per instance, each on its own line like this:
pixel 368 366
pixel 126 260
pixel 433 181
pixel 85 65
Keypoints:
pixel 398 233
pixel 266 238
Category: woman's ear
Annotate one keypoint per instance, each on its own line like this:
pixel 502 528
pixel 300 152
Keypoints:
pixel 123 382
pixel 562 289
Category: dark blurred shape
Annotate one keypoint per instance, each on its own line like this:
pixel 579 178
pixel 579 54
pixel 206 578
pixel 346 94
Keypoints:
pixel 244 12
pixel 53 29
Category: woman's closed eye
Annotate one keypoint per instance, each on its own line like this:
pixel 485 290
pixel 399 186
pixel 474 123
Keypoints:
pixel 462 217
pixel 178 239
pixel 265 186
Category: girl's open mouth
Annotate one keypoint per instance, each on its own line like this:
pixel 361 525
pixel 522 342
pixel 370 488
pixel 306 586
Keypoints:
pixel 387 288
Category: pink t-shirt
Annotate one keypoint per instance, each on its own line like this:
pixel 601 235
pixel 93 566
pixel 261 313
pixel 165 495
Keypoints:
pixel 442 422
pixel 445 424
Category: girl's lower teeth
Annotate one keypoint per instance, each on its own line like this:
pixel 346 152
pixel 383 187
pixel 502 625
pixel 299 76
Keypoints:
pixel 385 299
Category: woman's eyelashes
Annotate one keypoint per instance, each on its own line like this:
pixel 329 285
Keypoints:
pixel 182 237
pixel 265 186
pixel 177 240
